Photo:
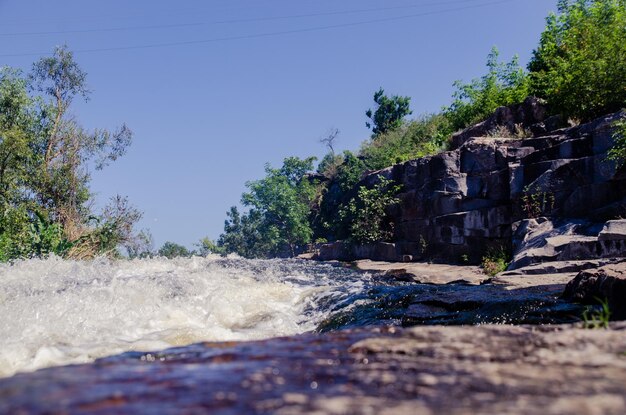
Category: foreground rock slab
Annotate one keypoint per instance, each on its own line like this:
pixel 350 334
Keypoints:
pixel 423 370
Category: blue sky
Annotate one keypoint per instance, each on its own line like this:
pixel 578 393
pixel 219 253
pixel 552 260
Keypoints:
pixel 215 89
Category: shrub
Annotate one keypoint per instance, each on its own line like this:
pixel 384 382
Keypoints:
pixel 424 136
pixel 618 152
pixel 504 84
pixel 366 213
pixel 495 261
pixel 580 65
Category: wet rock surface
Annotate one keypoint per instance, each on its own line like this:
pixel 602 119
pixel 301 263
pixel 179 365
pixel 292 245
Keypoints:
pixel 425 273
pixel 422 370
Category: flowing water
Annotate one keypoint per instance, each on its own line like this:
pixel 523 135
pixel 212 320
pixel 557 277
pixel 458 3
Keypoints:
pixel 56 312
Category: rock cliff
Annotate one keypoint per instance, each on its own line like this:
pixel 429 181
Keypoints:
pixel 548 196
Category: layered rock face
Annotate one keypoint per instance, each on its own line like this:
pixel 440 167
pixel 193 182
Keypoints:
pixel 457 204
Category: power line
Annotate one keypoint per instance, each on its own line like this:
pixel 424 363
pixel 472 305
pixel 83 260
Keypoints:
pixel 268 34
pixel 249 20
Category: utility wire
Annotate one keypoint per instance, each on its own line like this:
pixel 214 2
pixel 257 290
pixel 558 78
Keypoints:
pixel 268 34
pixel 249 20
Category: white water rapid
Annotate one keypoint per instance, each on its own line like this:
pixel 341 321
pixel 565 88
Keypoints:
pixel 55 312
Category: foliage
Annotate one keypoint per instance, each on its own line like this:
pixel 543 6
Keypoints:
pixel 207 246
pixel 618 152
pixel 366 213
pixel 537 204
pixel 424 136
pixel 173 250
pixel 504 84
pixel 330 164
pixel 242 234
pixel 580 65
pixel 495 261
pixel 45 155
pixel 335 195
pixel 277 222
pixel 598 318
pixel 26 235
pixel 388 114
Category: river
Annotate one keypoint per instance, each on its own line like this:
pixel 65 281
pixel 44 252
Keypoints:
pixel 57 312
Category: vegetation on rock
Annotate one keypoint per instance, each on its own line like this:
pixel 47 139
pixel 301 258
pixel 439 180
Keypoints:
pixel 580 65
pixel 503 84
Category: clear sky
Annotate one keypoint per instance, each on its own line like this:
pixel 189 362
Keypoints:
pixel 215 89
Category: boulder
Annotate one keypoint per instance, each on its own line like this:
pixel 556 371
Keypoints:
pixel 607 283
pixel 345 251
pixel 613 230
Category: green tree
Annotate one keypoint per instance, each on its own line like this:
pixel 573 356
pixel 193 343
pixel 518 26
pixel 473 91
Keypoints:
pixel 173 250
pixel 66 147
pixel 504 84
pixel 579 66
pixel 389 112
pixel 44 158
pixel 283 200
pixel 242 234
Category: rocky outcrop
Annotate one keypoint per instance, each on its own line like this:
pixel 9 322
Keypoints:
pixel 530 115
pixel 607 283
pixel 423 370
pixel 456 205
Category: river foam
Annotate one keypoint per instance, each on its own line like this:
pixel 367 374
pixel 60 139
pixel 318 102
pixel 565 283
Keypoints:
pixel 55 312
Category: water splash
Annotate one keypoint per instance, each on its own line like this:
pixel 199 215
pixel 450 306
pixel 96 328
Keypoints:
pixel 59 312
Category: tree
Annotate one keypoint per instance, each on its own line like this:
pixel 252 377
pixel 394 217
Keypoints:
pixel 65 146
pixel 283 201
pixel 45 156
pixel 504 84
pixel 173 250
pixel 242 234
pixel 579 66
pixel 388 114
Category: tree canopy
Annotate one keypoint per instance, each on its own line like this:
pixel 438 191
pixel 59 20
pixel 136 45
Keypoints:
pixel 580 63
pixel 389 112
pixel 45 155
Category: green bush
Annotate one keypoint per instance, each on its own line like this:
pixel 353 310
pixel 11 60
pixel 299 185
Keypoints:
pixel 618 152
pixel 25 234
pixel 424 136
pixel 366 213
pixel 504 84
pixel 495 261
pixel 580 64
